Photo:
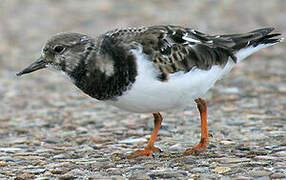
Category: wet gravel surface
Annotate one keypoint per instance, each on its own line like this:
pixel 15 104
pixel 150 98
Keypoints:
pixel 49 129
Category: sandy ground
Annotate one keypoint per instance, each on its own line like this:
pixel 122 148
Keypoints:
pixel 49 129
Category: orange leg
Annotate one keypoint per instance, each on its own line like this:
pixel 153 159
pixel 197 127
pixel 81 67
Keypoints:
pixel 150 148
pixel 202 146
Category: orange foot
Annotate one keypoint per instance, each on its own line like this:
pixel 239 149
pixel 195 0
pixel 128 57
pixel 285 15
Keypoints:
pixel 150 148
pixel 198 149
pixel 145 152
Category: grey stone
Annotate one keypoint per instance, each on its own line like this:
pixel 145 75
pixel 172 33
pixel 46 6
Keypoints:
pixel 167 175
pixel 10 149
pixel 230 90
pixel 6 158
pixel 142 175
pixel 242 178
pixel 132 140
pixel 233 160
pixel 60 156
pixel 200 170
pixel 281 154
pixel 278 175
pixel 35 171
pixel 260 173
pixel 265 157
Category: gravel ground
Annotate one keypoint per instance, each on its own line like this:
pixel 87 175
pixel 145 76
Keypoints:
pixel 49 129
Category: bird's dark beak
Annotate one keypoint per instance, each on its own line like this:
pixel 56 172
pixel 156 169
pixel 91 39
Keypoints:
pixel 38 64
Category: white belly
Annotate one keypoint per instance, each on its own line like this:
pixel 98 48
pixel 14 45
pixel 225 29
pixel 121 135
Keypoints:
pixel 148 94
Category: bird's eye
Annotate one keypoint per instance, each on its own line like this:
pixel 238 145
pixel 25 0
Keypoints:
pixel 58 49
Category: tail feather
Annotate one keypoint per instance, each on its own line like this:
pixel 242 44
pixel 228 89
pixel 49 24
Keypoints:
pixel 255 38
pixel 248 43
pixel 263 31
pixel 268 39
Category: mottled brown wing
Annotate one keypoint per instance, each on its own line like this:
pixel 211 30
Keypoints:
pixel 174 48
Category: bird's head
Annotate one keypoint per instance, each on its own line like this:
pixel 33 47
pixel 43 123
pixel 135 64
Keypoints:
pixel 63 52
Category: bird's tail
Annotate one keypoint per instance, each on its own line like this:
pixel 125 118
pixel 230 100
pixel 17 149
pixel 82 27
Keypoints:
pixel 248 43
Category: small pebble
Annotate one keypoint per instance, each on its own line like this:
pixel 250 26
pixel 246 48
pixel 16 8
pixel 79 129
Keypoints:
pixel 234 160
pixel 132 141
pixel 200 170
pixel 35 171
pixel 25 176
pixel 260 173
pixel 10 149
pixel 221 169
pixel 227 142
pixel 278 175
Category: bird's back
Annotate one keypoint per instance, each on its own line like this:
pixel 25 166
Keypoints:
pixel 175 48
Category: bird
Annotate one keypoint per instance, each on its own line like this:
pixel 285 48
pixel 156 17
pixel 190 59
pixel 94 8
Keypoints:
pixel 150 69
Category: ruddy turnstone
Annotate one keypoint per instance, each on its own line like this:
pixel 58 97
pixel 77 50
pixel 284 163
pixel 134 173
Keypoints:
pixel 150 69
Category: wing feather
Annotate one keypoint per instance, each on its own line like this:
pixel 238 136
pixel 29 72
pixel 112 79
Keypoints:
pixel 175 48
